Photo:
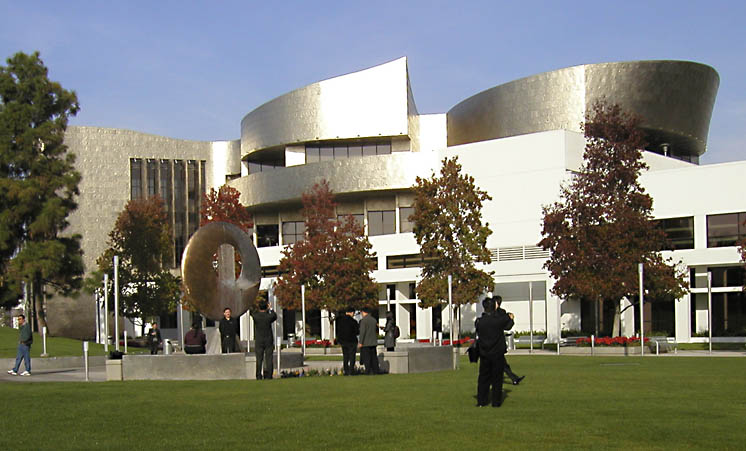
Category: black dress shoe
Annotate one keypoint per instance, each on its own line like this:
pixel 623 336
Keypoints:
pixel 518 380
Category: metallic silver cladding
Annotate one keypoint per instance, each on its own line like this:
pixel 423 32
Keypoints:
pixel 103 159
pixel 347 177
pixel 368 103
pixel 674 99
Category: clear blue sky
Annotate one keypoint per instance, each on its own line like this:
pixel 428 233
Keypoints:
pixel 192 70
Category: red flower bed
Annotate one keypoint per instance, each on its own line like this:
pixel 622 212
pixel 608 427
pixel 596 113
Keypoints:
pixel 315 343
pixel 446 342
pixel 610 341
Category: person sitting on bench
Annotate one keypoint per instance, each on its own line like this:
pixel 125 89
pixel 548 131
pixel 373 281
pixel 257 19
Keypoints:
pixel 194 340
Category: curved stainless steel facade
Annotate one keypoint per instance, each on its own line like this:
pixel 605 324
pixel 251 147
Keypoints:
pixel 355 175
pixel 369 103
pixel 674 99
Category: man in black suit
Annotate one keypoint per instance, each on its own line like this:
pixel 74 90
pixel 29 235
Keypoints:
pixel 263 339
pixel 228 328
pixel 491 329
pixel 347 330
pixel 514 378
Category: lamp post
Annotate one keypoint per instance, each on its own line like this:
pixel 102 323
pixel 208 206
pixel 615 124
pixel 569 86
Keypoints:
pixel 642 309
pixel 116 302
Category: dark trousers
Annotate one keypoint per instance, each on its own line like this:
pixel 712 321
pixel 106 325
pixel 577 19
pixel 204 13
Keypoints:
pixel 490 375
pixel 228 345
pixel 508 372
pixel 369 359
pixel 348 357
pixel 263 352
pixel 153 347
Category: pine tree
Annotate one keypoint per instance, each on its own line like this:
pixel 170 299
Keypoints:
pixel 602 228
pixel 38 183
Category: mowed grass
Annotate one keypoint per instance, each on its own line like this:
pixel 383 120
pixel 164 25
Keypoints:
pixel 564 403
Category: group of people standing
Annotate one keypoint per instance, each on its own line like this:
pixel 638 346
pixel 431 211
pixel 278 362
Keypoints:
pixel 348 331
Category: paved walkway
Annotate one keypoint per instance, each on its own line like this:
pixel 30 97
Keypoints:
pixel 98 373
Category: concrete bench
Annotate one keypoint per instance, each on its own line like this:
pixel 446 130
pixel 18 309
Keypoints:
pixel 418 359
pixel 663 344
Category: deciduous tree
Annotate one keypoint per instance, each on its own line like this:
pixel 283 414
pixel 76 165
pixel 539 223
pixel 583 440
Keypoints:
pixel 333 261
pixel 38 183
pixel 141 237
pixel 601 228
pixel 448 227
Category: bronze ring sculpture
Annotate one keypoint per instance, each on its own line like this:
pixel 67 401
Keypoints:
pixel 206 291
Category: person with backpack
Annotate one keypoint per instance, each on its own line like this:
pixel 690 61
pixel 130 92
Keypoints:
pixel 390 332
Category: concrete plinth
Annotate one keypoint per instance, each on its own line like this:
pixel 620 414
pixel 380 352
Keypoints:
pixel 418 359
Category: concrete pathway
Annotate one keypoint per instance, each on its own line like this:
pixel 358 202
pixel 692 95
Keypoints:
pixel 95 374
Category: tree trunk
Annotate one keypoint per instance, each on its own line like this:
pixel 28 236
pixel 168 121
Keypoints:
pixel 38 293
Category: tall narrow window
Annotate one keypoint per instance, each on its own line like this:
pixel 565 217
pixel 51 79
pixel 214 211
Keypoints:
pixel 135 178
pixel 165 187
pixel 179 209
pixel 192 186
pixel 152 170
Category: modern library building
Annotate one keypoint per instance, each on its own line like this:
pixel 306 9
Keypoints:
pixel 520 141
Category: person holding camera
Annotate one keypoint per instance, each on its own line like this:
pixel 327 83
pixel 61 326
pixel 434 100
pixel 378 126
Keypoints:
pixel 491 329
pixel 263 339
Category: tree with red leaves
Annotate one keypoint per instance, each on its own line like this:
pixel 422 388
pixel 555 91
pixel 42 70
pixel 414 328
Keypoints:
pixel 448 227
pixel 333 261
pixel 223 205
pixel 602 228
pixel 142 239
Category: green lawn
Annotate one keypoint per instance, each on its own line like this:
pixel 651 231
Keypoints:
pixel 56 346
pixel 564 402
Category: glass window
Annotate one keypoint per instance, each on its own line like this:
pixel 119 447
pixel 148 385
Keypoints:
pixel 267 235
pixel 326 153
pixel 135 178
pixel 293 231
pixel 381 222
pixel 369 150
pixel 405 225
pixel 355 150
pixel 725 230
pixel 152 178
pixel 165 183
pixel 679 232
pixel 340 152
pixel 383 148
pixel 312 155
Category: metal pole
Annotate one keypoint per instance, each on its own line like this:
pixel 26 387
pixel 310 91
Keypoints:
pixel 303 318
pixel 180 317
pixel 85 359
pixel 116 302
pixel 559 324
pixel 450 306
pixel 709 308
pixel 106 313
pixel 642 309
pixel 125 341
pixel 279 348
pixel 531 316
pixel 44 341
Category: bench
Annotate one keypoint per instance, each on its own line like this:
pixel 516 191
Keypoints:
pixel 526 339
pixel 663 344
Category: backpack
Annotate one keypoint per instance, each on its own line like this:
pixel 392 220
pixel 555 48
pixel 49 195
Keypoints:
pixel 396 332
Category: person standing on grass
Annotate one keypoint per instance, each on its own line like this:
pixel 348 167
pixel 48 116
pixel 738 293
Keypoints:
pixel 154 338
pixel 491 332
pixel 368 342
pixel 514 378
pixel 25 339
pixel 347 330
pixel 263 340
pixel 228 328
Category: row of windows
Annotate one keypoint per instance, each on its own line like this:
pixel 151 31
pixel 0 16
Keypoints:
pixel 380 222
pixel 265 166
pixel 722 230
pixel 337 151
pixel 180 184
pixel 407 261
